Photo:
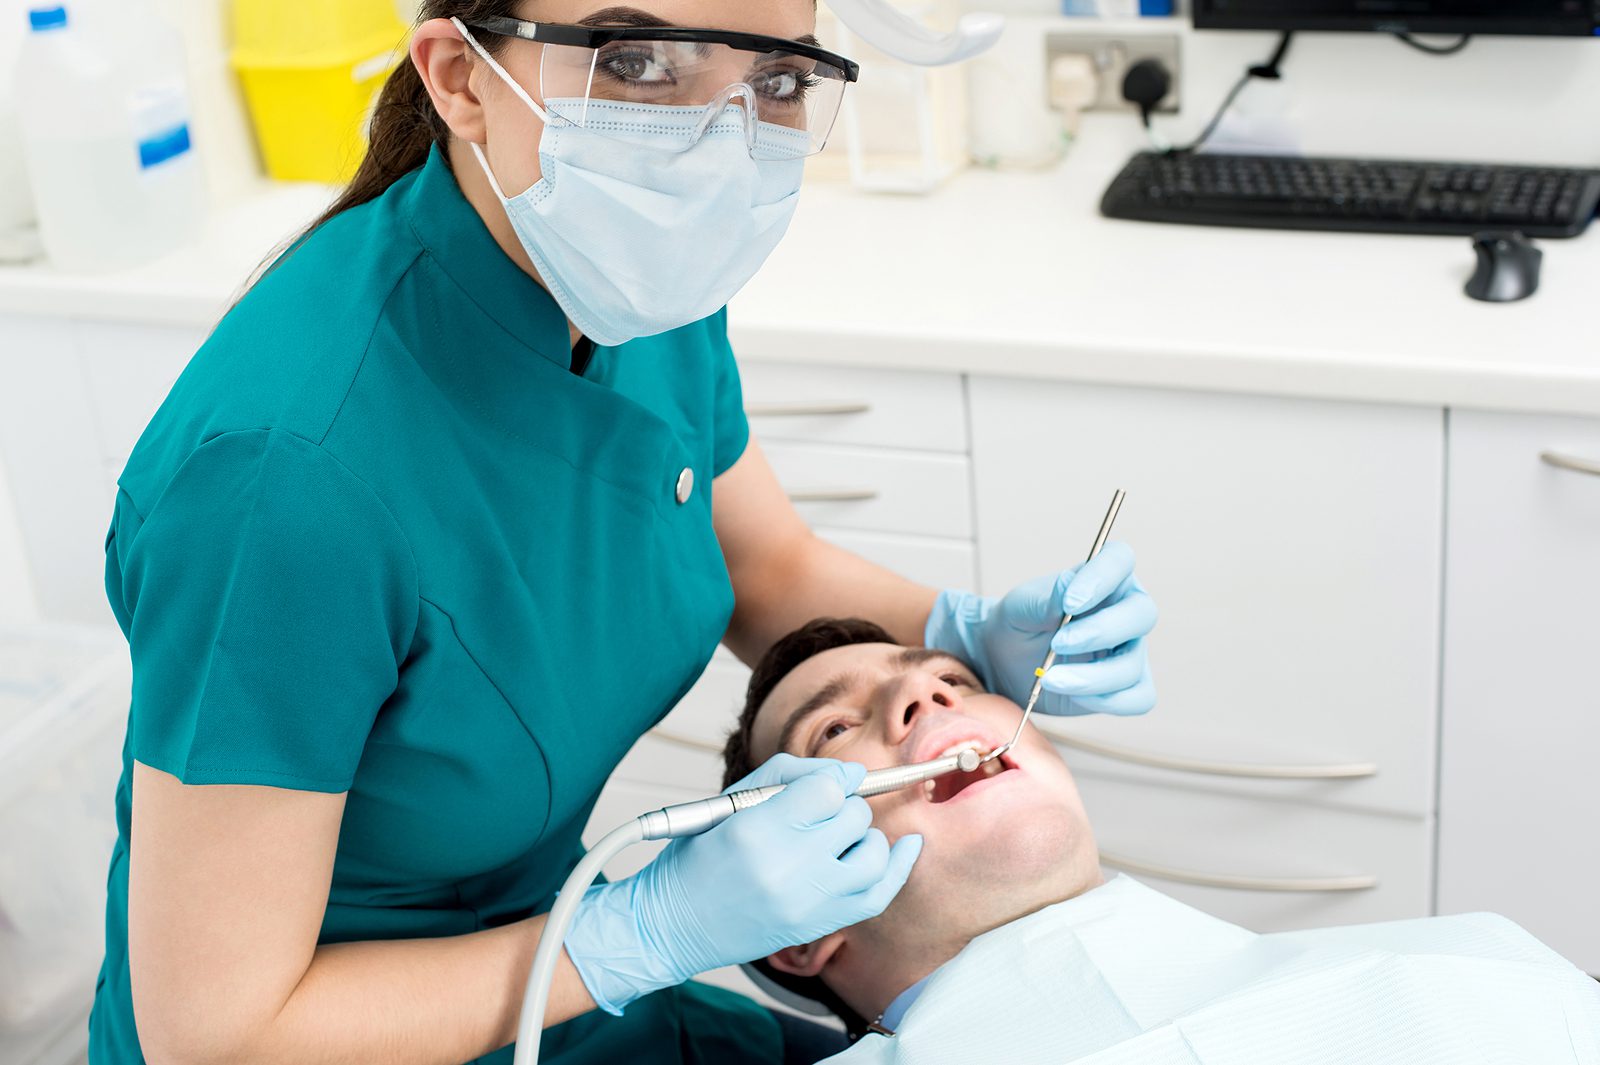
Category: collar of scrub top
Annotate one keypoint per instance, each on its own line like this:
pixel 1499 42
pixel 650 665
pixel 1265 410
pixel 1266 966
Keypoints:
pixel 459 242
pixel 600 36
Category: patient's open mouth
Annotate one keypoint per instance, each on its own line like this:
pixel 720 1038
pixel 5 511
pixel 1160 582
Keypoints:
pixel 947 787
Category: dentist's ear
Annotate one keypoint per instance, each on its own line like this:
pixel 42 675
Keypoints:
pixel 448 72
pixel 808 959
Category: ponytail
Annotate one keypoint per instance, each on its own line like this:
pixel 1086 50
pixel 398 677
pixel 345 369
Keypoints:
pixel 405 126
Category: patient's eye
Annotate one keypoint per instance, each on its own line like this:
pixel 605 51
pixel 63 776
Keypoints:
pixel 827 734
pixel 957 680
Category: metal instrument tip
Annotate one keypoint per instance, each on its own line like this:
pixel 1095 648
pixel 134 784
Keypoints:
pixel 968 760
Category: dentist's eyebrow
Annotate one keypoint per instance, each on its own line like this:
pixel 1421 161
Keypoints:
pixel 820 700
pixel 624 16
pixel 632 16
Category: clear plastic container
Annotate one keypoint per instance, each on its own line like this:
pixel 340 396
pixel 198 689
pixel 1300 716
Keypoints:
pixel 63 714
pixel 19 239
pixel 904 127
pixel 105 122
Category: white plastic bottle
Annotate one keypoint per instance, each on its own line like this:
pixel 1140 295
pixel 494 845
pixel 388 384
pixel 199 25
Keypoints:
pixel 105 120
pixel 19 240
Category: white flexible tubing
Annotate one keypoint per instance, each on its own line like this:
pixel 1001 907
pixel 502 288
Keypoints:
pixel 536 997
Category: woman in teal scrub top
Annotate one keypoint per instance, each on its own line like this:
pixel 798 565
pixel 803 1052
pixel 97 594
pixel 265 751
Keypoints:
pixel 452 507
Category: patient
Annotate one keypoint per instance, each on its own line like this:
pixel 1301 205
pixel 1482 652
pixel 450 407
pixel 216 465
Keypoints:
pixel 1126 970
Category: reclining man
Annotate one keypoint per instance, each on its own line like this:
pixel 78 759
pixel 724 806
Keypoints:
pixel 1009 943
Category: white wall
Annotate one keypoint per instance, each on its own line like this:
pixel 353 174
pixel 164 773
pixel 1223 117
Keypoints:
pixel 1513 99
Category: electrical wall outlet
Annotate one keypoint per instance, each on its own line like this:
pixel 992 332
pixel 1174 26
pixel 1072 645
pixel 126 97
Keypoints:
pixel 1112 54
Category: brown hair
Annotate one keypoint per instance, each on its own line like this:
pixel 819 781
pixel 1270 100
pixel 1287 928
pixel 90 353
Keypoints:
pixel 813 638
pixel 404 128
pixel 818 636
pixel 405 124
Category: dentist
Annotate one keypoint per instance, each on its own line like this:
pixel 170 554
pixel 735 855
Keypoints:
pixel 453 506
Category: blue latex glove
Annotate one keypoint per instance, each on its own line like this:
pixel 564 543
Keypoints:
pixel 1102 667
pixel 800 866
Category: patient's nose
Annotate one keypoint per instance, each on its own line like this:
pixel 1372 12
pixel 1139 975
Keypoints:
pixel 916 695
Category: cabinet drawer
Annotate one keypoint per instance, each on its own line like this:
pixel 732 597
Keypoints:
pixel 926 560
pixel 1294 547
pixel 876 490
pixel 845 405
pixel 1279 863
pixel 1519 814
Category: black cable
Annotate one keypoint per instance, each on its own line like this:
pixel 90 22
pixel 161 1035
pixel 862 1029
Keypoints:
pixel 1271 70
pixel 1434 49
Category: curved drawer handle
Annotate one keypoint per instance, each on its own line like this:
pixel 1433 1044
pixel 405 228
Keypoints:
pixel 833 495
pixel 804 410
pixel 1352 771
pixel 1571 462
pixel 1282 884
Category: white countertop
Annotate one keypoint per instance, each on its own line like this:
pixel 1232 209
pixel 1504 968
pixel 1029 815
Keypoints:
pixel 1017 274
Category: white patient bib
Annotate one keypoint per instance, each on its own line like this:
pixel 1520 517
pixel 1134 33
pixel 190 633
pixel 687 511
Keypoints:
pixel 1123 975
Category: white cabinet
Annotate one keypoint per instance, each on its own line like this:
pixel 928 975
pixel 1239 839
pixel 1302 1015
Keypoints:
pixel 1258 862
pixel 17 603
pixel 1295 546
pixel 1519 812
pixel 74 397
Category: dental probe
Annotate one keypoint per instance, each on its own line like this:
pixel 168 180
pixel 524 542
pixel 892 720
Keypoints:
pixel 672 822
pixel 702 815
pixel 1050 658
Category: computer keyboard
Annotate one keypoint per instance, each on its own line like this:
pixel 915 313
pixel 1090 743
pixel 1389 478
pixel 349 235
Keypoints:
pixel 1360 195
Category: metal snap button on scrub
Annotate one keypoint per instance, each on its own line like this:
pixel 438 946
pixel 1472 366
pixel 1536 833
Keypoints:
pixel 685 485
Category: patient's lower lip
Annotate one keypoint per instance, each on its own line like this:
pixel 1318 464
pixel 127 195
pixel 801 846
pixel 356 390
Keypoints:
pixel 977 787
pixel 938 786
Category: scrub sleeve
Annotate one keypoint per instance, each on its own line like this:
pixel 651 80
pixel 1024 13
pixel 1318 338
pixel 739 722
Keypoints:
pixel 269 649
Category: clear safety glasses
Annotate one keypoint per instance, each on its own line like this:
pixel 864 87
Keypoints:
pixel 793 89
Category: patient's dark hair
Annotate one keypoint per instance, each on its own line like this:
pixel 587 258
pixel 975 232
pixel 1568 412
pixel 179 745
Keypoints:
pixel 809 640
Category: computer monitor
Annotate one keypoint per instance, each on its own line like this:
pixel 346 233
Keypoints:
pixel 1540 17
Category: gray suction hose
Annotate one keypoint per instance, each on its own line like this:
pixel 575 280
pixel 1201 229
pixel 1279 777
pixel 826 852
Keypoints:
pixel 672 822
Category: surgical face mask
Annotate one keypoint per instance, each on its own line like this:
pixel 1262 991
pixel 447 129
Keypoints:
pixel 647 218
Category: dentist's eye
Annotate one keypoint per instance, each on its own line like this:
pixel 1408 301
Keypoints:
pixel 788 87
pixel 636 67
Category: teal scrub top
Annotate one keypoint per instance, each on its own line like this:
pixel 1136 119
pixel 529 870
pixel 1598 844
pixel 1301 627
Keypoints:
pixel 380 539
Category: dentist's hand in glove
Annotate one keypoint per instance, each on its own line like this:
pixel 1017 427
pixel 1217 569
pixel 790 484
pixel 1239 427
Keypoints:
pixel 1102 666
pixel 803 864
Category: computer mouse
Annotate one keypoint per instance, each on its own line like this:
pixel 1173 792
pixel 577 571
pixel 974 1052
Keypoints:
pixel 1508 267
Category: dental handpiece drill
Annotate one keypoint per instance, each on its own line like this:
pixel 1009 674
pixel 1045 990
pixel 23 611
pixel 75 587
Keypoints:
pixel 672 822
pixel 702 815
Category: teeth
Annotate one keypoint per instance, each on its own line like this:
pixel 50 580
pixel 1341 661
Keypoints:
pixel 965 745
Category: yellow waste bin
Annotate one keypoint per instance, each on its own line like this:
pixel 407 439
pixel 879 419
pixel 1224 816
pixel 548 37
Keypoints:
pixel 310 72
